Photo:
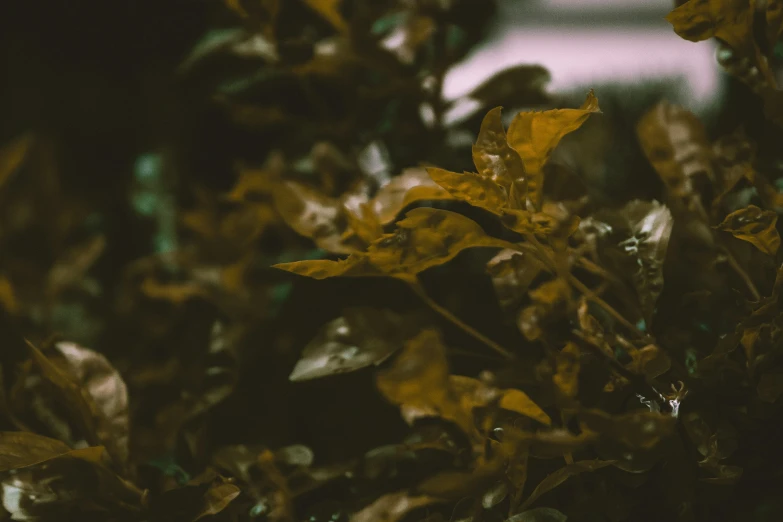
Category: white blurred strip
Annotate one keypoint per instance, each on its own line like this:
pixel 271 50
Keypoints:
pixel 585 56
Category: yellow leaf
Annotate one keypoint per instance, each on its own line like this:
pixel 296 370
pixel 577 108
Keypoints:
pixel 729 20
pixel 518 401
pixel 357 265
pixel 534 135
pixel 479 191
pixel 497 161
pixel 12 155
pixel 428 237
pixel 7 296
pixel 330 11
pixel 419 378
pixel 756 226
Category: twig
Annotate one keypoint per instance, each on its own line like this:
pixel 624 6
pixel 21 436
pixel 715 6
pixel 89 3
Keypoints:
pixel 638 382
pixel 606 306
pixel 416 287
pixel 740 272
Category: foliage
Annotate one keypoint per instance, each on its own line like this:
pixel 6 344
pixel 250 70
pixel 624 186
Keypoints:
pixel 350 329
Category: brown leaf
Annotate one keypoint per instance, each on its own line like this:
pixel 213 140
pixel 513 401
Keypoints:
pixel 12 155
pixel 19 449
pixel 392 507
pixel 675 143
pixel 534 135
pixel 412 186
pixel 359 338
pixel 478 190
pixel 496 160
pixel 756 226
pixel 553 480
pixel 519 82
pixel 729 20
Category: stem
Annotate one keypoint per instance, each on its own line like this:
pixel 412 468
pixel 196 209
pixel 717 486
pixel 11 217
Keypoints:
pixel 743 275
pixel 416 287
pixel 603 304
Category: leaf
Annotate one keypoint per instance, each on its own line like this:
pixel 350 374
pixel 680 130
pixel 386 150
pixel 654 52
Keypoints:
pixel 19 449
pixel 497 161
pixel 330 11
pixel 108 394
pixel 518 401
pixel 566 377
pixel 392 507
pixel 534 135
pixel 729 20
pixel 523 82
pixel 756 226
pixel 419 378
pixel 478 190
pixel 636 430
pixel 12 155
pixel 412 186
pixel 542 514
pixel 774 16
pixel 675 143
pixel 217 498
pixel 426 238
pixel 558 477
pixel 770 386
pixel 512 273
pixel 550 301
pixel 650 225
pixel 361 337
pixel 7 296
pixel 313 215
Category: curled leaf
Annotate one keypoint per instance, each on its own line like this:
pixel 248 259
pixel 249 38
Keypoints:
pixel 756 226
pixel 512 274
pixel 534 135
